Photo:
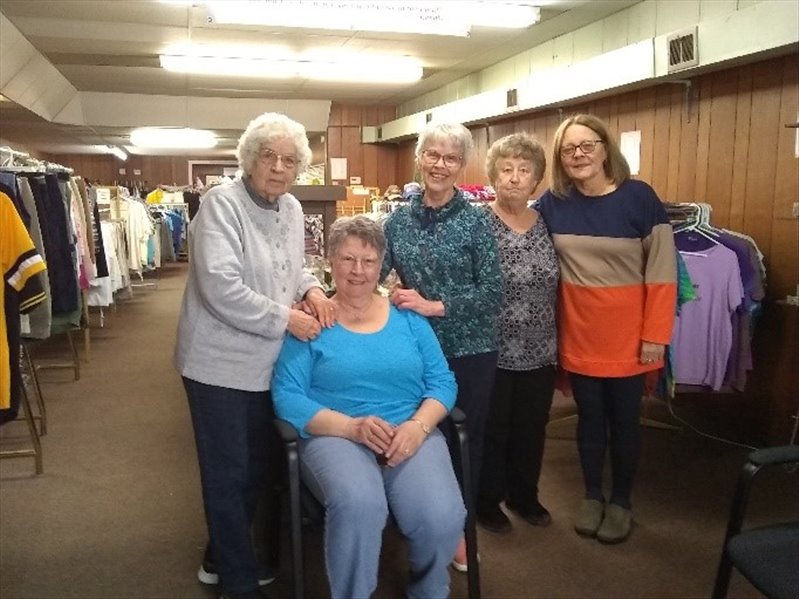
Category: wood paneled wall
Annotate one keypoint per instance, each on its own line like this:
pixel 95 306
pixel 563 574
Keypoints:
pixel 376 165
pixel 722 141
pixel 104 168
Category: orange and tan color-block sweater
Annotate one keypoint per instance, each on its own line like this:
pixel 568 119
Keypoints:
pixel 618 277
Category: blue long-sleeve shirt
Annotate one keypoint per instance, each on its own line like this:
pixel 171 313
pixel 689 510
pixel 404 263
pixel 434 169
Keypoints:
pixel 387 373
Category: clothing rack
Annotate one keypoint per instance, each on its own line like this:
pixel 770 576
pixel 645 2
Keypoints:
pixel 16 161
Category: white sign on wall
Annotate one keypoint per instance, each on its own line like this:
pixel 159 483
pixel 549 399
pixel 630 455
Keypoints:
pixel 631 149
pixel 338 169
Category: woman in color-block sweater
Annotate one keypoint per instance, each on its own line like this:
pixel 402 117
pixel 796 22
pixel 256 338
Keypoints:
pixel 615 307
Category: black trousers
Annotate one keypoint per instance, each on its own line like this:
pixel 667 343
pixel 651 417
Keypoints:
pixel 609 411
pixel 515 437
pixel 475 377
pixel 232 430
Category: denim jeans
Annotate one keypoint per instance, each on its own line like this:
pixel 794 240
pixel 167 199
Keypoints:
pixel 232 430
pixel 422 494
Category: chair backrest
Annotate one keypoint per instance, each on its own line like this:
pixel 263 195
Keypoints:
pixel 766 555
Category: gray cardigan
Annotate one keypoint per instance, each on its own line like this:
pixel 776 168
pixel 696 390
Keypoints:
pixel 245 270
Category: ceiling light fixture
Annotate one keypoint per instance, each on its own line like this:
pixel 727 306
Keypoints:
pixel 118 152
pixel 166 137
pixel 390 16
pixel 244 62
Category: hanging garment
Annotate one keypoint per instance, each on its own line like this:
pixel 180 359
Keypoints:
pixel 703 331
pixel 99 246
pixel 39 320
pixel 58 246
pixel 21 292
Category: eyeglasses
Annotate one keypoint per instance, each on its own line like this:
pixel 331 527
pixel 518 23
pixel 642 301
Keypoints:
pixel 586 147
pixel 366 263
pixel 270 158
pixel 432 157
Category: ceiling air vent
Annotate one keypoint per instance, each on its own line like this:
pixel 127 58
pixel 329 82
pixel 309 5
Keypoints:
pixel 428 117
pixel 512 98
pixel 683 50
pixel 380 133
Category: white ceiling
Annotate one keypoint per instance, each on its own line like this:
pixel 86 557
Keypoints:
pixel 113 46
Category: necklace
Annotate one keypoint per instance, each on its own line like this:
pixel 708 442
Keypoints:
pixel 356 313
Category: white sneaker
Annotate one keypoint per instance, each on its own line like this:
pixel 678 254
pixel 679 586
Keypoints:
pixel 207 575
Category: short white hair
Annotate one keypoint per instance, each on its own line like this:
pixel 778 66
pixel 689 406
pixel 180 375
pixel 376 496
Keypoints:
pixel 454 132
pixel 269 126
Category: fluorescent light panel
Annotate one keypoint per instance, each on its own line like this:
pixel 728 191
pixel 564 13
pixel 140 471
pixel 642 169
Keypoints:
pixel 165 137
pixel 242 63
pixel 397 17
pixel 118 152
pixel 390 16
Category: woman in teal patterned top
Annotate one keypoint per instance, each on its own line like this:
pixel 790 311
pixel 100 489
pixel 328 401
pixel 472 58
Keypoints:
pixel 446 257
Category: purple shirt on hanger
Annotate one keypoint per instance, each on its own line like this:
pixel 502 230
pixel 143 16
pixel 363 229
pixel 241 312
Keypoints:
pixel 703 330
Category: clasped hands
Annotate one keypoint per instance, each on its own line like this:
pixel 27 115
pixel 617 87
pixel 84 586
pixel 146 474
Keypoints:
pixel 307 317
pixel 395 443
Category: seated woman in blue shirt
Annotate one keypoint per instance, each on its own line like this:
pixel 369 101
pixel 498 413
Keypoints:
pixel 366 397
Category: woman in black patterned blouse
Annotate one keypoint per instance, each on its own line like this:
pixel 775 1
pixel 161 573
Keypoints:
pixel 525 377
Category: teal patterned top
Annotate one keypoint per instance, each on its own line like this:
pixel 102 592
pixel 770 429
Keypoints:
pixel 449 254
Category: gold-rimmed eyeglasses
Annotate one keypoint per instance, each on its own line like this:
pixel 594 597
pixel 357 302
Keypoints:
pixel 586 147
pixel 270 158
pixel 432 157
pixel 368 263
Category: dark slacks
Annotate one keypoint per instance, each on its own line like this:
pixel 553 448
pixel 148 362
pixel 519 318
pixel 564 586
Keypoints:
pixel 609 411
pixel 515 437
pixel 232 429
pixel 475 377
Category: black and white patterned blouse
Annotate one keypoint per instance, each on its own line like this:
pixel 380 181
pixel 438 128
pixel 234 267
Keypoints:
pixel 527 335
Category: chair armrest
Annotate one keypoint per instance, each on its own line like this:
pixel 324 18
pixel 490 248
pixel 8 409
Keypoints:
pixel 287 432
pixel 457 415
pixel 768 456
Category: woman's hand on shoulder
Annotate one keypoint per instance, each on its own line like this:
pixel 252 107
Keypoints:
pixel 320 306
pixel 372 431
pixel 303 326
pixel 410 299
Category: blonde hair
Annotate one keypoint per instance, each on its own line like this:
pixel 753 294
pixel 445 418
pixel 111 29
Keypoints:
pixel 616 167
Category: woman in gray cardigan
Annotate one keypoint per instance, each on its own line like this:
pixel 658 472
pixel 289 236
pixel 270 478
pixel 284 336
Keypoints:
pixel 246 250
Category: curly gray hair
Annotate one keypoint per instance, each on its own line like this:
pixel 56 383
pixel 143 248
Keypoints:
pixel 517 145
pixel 266 127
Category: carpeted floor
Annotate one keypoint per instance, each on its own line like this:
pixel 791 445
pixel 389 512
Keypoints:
pixel 117 512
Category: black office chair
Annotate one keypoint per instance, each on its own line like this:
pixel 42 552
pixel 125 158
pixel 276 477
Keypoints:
pixel 767 556
pixel 299 497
